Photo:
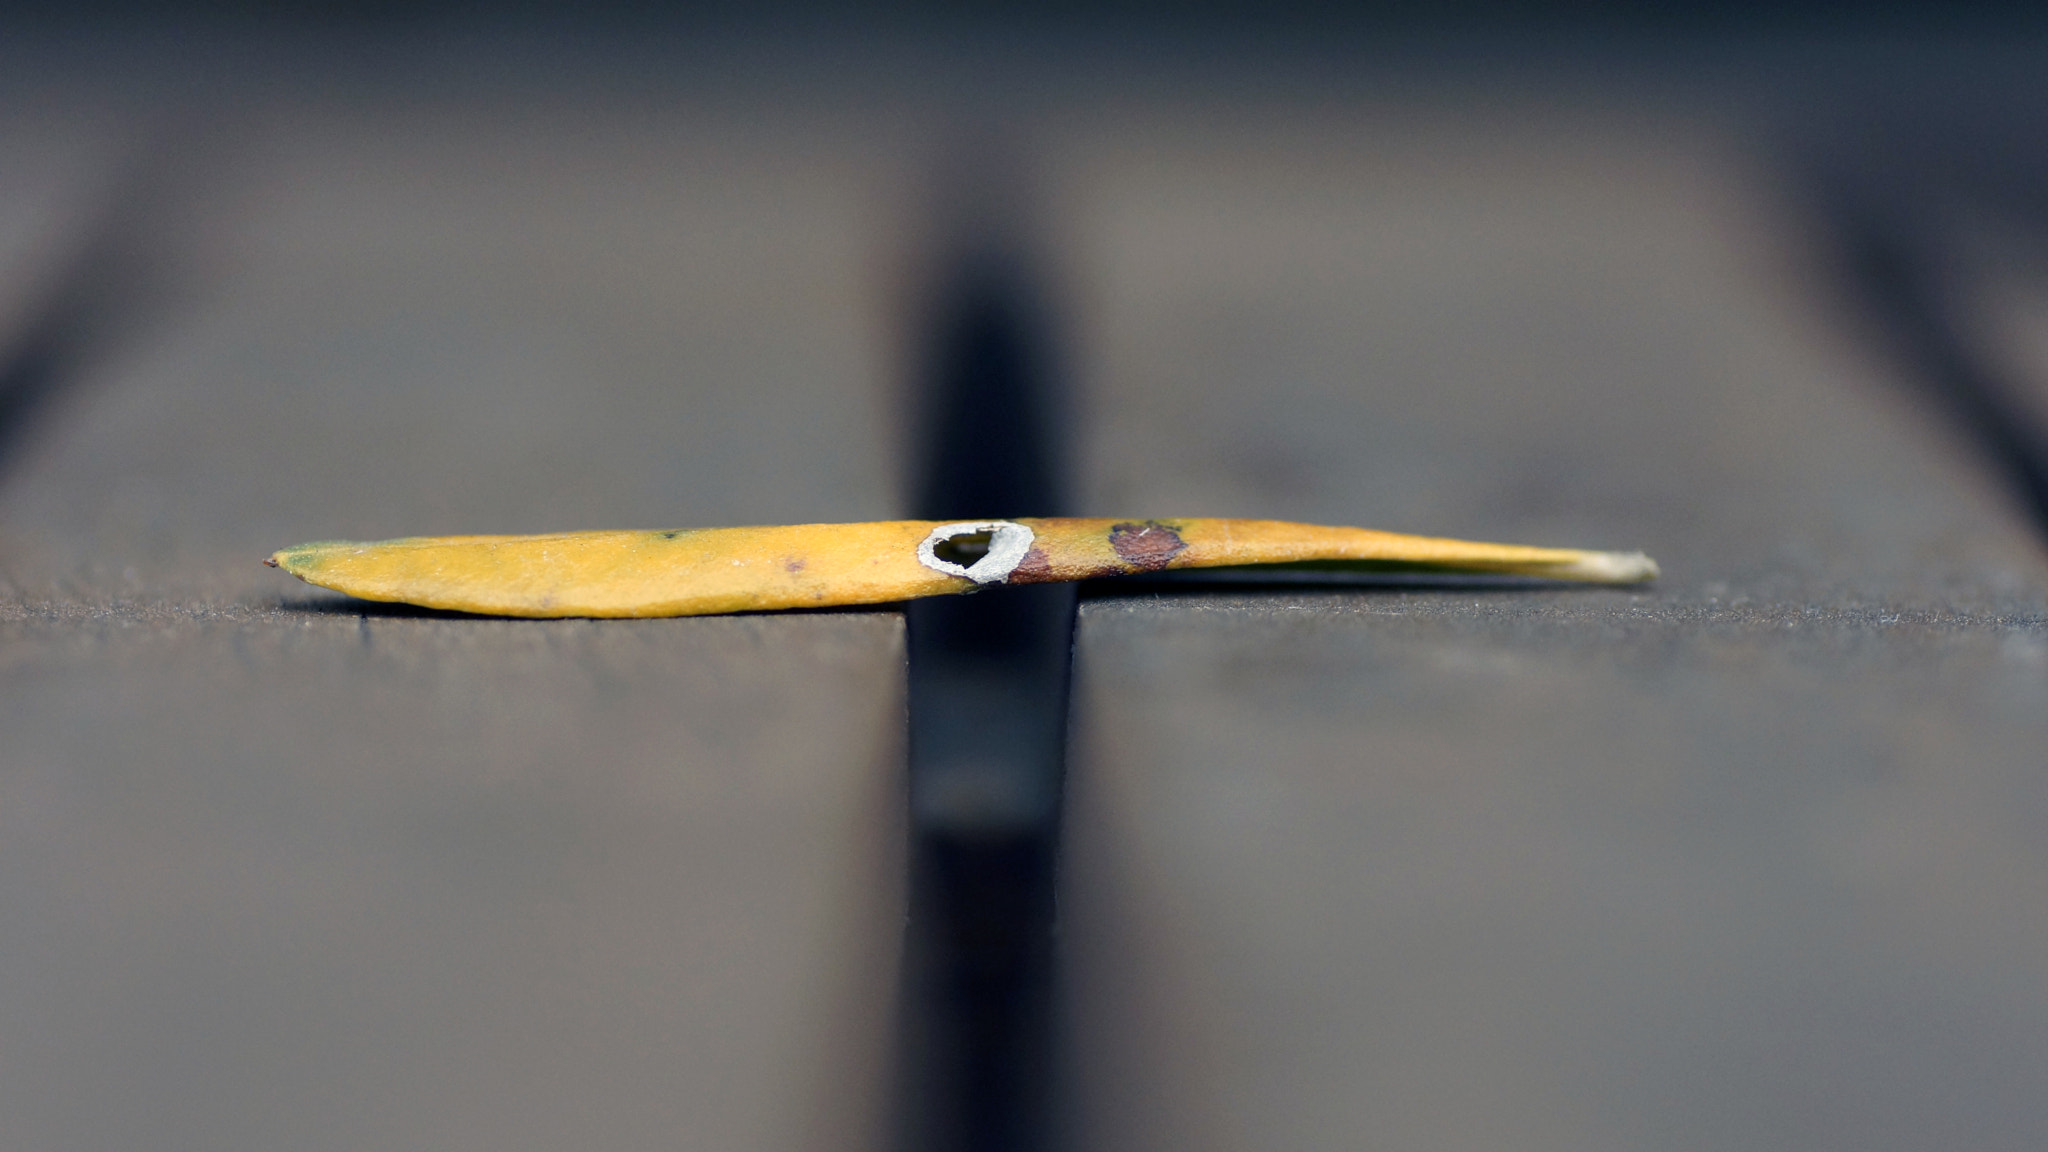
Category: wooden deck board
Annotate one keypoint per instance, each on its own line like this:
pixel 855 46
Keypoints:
pixel 554 311
pixel 277 871
pixel 332 881
pixel 1741 859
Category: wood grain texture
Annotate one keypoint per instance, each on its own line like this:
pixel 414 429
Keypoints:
pixel 1743 860
pixel 1517 316
pixel 329 881
pixel 555 309
pixel 1555 876
pixel 279 872
pixel 1740 860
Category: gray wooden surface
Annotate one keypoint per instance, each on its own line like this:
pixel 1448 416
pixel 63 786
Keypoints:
pixel 373 316
pixel 1750 858
pixel 276 873
pixel 288 879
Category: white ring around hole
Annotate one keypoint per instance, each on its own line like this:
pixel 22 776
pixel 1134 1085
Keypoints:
pixel 1008 541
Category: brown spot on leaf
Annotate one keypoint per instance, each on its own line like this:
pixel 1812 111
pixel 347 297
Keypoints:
pixel 1148 547
pixel 1034 568
pixel 793 565
pixel 269 563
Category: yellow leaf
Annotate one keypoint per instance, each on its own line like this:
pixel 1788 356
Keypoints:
pixel 695 572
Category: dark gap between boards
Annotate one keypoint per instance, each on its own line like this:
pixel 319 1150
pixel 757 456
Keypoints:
pixel 988 687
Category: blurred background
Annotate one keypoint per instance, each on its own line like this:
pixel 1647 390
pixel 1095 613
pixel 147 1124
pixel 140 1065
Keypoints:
pixel 1751 858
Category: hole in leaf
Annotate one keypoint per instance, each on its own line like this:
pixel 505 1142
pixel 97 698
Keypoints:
pixel 963 549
